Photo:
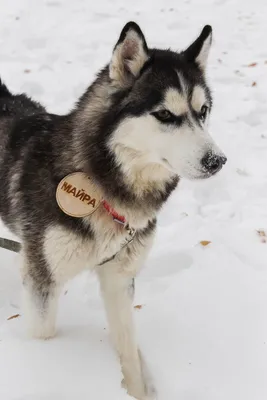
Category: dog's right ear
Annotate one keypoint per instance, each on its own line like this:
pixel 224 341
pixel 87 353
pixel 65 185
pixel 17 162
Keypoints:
pixel 129 56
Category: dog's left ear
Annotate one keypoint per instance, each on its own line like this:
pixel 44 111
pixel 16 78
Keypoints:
pixel 129 56
pixel 199 50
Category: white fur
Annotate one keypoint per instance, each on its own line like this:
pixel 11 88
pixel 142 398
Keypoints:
pixel 202 58
pixel 40 320
pixel 198 98
pixel 41 324
pixel 175 102
pixel 68 254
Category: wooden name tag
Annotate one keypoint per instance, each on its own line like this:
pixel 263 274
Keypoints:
pixel 77 196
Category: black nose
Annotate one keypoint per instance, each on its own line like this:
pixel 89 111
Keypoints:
pixel 213 162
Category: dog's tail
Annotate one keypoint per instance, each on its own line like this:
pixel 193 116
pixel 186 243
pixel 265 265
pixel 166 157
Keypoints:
pixel 4 92
pixel 14 105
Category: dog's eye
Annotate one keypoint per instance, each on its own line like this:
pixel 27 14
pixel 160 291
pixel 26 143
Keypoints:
pixel 203 113
pixel 163 115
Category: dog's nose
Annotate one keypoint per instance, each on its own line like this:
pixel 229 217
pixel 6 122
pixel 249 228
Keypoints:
pixel 213 162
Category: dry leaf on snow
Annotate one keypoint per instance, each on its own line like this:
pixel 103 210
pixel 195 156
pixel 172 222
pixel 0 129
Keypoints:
pixel 252 64
pixel 205 242
pixel 262 235
pixel 13 317
pixel 138 307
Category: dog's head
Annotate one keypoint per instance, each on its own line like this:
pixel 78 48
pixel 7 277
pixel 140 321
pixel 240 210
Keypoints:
pixel 163 104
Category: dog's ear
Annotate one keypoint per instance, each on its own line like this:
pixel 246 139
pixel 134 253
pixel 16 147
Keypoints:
pixel 129 56
pixel 199 50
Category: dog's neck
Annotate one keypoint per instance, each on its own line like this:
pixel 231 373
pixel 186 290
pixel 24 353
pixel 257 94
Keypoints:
pixel 148 185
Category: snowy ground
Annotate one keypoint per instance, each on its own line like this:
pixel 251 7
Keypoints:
pixel 203 324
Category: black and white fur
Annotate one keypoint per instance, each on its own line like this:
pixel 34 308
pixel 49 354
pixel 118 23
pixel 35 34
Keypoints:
pixel 140 127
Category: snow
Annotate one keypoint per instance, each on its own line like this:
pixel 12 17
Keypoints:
pixel 203 321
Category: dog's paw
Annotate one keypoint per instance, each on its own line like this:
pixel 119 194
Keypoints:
pixel 147 393
pixel 151 392
pixel 42 331
pixel 123 384
pixel 138 382
pixel 150 389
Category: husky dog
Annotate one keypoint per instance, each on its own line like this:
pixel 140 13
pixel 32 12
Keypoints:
pixel 140 127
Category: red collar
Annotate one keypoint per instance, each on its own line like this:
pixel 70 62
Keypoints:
pixel 116 217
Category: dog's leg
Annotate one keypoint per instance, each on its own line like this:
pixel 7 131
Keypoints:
pixel 117 289
pixel 40 308
pixel 40 298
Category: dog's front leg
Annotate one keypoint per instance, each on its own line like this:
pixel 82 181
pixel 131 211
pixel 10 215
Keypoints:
pixel 117 289
pixel 40 297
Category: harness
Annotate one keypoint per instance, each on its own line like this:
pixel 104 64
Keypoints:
pixel 15 246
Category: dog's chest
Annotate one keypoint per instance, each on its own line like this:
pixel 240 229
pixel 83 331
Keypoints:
pixel 68 253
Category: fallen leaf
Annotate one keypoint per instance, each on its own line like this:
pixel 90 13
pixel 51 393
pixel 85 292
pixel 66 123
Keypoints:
pixel 254 84
pixel 13 317
pixel 252 64
pixel 262 235
pixel 138 307
pixel 27 71
pixel 205 242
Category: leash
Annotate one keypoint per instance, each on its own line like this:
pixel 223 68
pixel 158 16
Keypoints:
pixel 9 244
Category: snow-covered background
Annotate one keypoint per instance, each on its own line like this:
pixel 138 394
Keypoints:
pixel 203 321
